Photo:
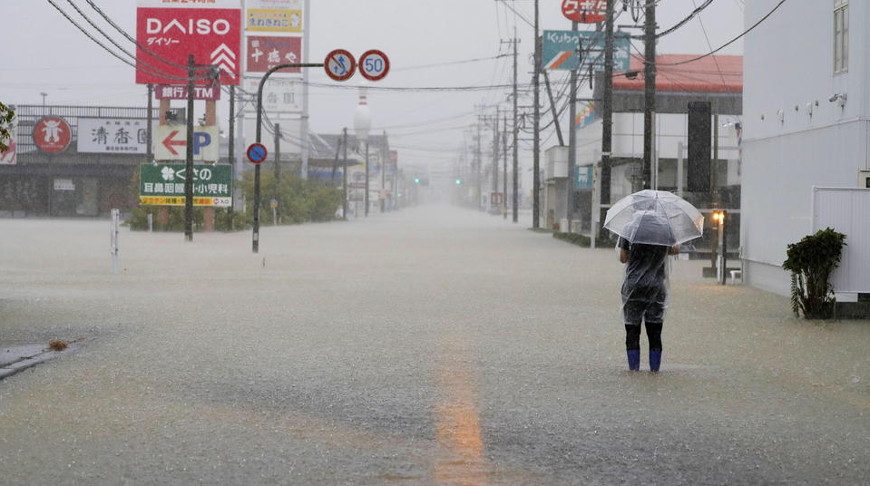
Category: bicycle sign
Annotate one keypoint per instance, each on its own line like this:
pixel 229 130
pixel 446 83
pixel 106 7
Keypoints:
pixel 339 65
pixel 374 65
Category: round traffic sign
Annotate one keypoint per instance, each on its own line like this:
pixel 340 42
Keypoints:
pixel 374 65
pixel 585 12
pixel 339 64
pixel 52 134
pixel 257 152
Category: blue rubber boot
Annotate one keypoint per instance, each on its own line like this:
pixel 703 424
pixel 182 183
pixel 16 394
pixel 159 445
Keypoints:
pixel 655 359
pixel 633 359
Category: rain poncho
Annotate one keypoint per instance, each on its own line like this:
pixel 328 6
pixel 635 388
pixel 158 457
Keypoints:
pixel 645 288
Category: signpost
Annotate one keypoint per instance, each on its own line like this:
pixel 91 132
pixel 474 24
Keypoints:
pixel 52 134
pixel 585 11
pixel 339 65
pixel 163 185
pixel 374 65
pixel 257 153
pixel 167 32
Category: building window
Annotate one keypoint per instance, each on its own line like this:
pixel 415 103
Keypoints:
pixel 841 36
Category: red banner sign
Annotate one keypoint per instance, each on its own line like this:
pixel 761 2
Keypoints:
pixel 266 52
pixel 212 35
pixel 585 11
pixel 179 92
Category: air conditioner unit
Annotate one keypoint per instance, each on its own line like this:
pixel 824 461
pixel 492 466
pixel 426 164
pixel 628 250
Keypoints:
pixel 864 179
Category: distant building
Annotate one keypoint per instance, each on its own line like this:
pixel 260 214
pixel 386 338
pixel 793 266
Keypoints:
pixel 714 79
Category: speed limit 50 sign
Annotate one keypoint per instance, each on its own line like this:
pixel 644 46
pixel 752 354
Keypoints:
pixel 374 65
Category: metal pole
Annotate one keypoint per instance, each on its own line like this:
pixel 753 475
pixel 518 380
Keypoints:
pixel 606 120
pixel 649 95
pixel 189 173
pixel 256 224
pixel 367 179
pixel 572 139
pixel 384 155
pixel 277 167
pixel 344 179
pixel 536 144
pixel 303 127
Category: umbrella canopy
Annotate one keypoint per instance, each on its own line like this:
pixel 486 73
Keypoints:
pixel 654 218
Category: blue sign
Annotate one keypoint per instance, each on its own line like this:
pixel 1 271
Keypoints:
pixel 584 177
pixel 568 49
pixel 257 152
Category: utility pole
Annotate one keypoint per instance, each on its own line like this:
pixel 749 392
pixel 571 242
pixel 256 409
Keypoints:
pixel 514 95
pixel 232 149
pixel 649 93
pixel 606 122
pixel 478 158
pixel 384 157
pixel 495 154
pixel 572 137
pixel 344 178
pixel 536 144
pixel 504 166
pixel 188 173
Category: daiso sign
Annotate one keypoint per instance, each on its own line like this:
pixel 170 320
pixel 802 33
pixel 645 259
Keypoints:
pixel 168 31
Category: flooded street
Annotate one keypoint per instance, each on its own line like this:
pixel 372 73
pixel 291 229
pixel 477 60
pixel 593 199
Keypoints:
pixel 427 346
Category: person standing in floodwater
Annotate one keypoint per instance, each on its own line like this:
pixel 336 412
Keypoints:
pixel 644 297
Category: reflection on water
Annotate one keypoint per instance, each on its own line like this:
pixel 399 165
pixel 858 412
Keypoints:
pixel 461 456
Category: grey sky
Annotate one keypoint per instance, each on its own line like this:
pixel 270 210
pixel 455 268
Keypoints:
pixel 44 53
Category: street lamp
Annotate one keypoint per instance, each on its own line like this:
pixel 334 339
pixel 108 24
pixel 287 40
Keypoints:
pixel 362 121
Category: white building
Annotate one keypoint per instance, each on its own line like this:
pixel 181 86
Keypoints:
pixel 806 122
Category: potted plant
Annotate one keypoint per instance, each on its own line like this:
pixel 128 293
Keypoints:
pixel 811 262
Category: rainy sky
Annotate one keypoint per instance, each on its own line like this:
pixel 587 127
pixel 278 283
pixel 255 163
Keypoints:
pixel 424 40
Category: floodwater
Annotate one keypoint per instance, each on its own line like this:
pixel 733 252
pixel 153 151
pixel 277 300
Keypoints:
pixel 427 346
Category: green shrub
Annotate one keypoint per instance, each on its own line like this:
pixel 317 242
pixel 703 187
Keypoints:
pixel 811 262
pixel 573 238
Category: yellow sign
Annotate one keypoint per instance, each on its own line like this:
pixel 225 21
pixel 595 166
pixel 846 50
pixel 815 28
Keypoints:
pixel 179 201
pixel 273 20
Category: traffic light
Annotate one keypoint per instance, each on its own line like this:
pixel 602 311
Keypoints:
pixel 416 180
pixel 458 181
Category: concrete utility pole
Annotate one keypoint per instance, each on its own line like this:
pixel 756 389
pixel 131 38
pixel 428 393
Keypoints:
pixel 649 93
pixel 495 153
pixel 344 178
pixel 277 166
pixel 606 123
pixel 572 138
pixel 516 138
pixel 536 144
pixel 188 173
pixel 504 166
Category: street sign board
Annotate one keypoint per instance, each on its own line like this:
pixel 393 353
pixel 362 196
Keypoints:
pixel 283 16
pixel 211 92
pixel 339 65
pixel 112 136
pixel 266 52
pixel 170 143
pixel 280 95
pixel 52 134
pixel 559 50
pixel 374 65
pixel 585 11
pixel 257 153
pixel 171 30
pixel 163 184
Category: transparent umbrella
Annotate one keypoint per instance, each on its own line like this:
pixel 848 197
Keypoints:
pixel 654 218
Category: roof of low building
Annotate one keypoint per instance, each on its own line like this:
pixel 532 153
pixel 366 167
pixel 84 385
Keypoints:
pixel 716 74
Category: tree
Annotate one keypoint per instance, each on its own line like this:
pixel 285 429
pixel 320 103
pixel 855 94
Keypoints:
pixel 6 116
pixel 811 262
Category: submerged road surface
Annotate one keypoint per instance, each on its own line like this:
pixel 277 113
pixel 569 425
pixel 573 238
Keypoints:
pixel 428 346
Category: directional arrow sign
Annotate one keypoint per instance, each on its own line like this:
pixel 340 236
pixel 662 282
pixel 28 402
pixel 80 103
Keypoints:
pixel 171 143
pixel 225 59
